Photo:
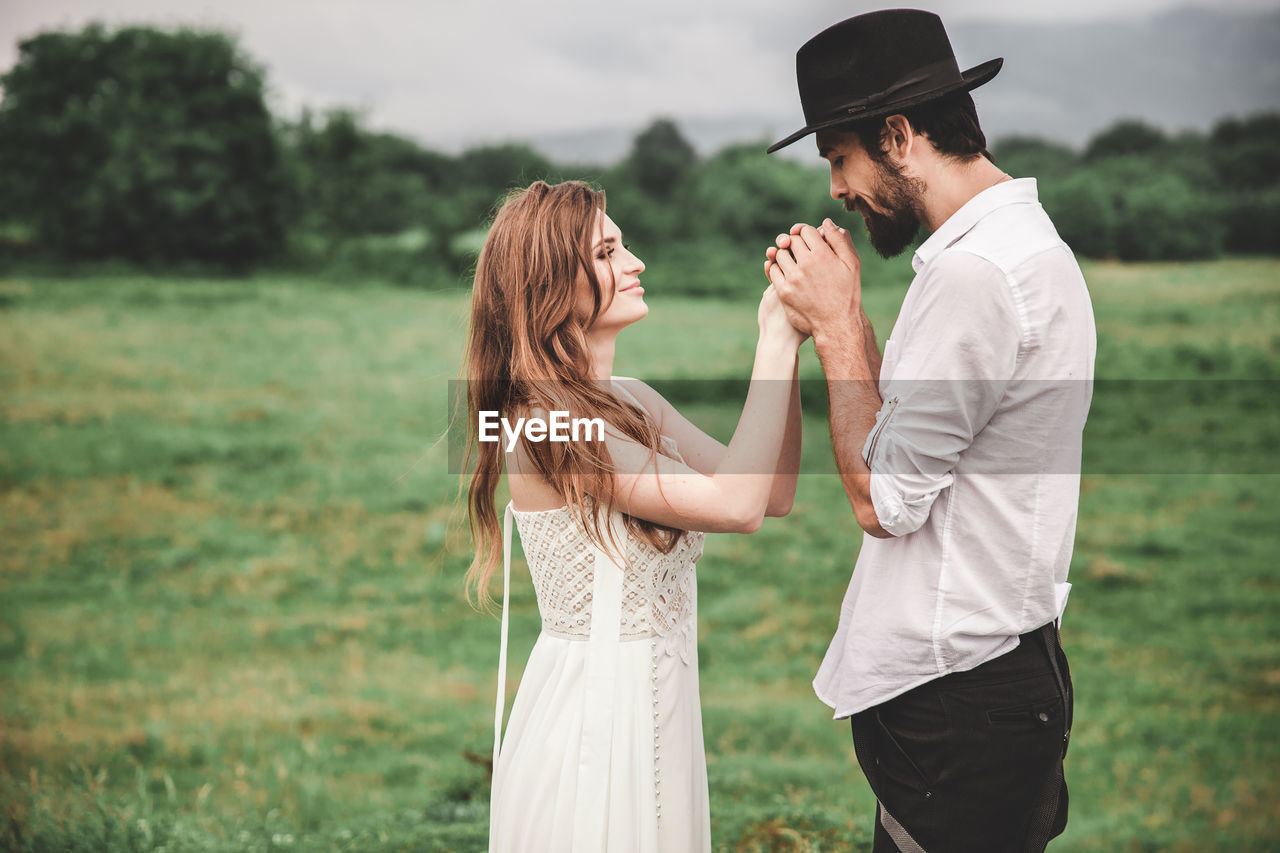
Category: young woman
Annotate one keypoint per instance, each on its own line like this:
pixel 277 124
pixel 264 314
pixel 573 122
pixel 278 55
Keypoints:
pixel 604 748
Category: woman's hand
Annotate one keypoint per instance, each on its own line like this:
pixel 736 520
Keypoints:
pixel 819 276
pixel 773 321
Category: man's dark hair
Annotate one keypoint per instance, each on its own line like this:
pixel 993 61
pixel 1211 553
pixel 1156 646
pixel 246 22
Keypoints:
pixel 951 123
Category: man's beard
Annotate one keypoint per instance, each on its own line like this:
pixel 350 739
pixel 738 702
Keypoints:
pixel 902 197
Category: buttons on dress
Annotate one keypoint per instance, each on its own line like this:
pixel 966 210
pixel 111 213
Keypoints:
pixel 657 740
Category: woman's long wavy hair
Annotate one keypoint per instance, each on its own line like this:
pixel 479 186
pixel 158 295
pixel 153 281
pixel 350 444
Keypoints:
pixel 527 349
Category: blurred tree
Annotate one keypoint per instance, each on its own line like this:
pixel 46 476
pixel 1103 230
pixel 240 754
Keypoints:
pixel 1188 156
pixel 489 171
pixel 1135 207
pixel 661 158
pixel 140 143
pixel 1130 136
pixel 1032 157
pixel 645 222
pixel 1252 220
pixel 479 182
pixel 1083 210
pixel 350 182
pixel 332 166
pixel 1161 216
pixel 1245 154
pixel 748 197
pixel 1168 220
pixel 353 185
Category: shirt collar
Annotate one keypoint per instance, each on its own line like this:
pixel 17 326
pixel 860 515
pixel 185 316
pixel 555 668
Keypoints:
pixel 1017 191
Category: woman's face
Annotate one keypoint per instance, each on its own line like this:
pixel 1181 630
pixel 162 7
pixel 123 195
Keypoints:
pixel 618 272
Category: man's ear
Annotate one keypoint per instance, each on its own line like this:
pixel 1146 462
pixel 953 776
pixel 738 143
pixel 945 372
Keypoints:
pixel 898 138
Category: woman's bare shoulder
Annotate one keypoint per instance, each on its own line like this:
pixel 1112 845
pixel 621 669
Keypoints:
pixel 650 400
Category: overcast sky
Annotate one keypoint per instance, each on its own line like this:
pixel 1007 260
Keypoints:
pixel 451 73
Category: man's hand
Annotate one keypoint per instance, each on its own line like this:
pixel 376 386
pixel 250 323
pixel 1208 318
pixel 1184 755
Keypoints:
pixel 818 276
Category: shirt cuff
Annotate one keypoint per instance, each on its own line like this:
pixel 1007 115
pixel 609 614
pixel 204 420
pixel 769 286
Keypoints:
pixel 898 512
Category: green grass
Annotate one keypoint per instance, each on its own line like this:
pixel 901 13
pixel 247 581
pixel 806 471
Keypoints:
pixel 231 606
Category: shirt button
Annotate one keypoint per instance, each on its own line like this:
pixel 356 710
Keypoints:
pixel 1044 718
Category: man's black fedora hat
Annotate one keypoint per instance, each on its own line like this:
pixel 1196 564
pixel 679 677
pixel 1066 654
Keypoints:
pixel 875 65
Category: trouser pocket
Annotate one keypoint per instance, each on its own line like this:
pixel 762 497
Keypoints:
pixel 1005 746
pixel 898 759
pixel 910 734
pixel 1039 714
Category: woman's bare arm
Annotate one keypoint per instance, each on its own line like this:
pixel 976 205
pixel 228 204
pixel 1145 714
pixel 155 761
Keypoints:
pixel 704 453
pixel 735 494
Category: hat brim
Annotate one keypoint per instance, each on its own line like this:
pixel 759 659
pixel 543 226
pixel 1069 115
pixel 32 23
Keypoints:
pixel 971 79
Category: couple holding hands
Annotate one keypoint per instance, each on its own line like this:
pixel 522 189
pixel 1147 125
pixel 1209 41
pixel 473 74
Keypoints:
pixel 959 451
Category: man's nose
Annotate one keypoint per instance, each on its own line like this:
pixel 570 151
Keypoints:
pixel 838 188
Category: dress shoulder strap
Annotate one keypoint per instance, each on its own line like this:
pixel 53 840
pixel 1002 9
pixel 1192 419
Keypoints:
pixel 502 650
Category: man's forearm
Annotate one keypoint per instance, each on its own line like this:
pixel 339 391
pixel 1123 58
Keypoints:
pixel 869 347
pixel 854 400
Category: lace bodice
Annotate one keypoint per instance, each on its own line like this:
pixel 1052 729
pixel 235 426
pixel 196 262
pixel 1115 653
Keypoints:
pixel 658 590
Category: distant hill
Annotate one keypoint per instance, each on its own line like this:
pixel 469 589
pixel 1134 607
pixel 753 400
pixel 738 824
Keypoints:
pixel 1183 69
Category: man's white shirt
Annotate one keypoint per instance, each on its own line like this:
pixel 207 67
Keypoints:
pixel 975 456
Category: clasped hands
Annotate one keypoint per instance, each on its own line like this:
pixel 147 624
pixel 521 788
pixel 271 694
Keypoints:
pixel 817 275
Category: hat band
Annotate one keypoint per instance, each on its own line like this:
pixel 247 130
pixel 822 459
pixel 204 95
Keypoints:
pixel 927 79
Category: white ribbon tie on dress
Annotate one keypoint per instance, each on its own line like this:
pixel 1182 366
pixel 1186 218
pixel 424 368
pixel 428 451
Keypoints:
pixel 591 802
pixel 502 651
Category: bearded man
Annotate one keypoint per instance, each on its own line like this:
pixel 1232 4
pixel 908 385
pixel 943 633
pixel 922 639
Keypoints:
pixel 959 450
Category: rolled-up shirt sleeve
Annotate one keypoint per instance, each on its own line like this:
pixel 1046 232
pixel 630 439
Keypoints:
pixel 954 360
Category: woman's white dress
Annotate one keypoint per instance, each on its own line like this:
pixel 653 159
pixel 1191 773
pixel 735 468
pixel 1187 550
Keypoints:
pixel 603 752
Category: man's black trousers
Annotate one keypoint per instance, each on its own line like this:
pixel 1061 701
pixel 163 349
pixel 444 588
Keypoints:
pixel 972 761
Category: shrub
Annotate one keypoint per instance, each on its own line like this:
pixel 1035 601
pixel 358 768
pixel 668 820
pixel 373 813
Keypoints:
pixel 1084 211
pixel 748 197
pixel 1252 220
pixel 142 144
pixel 1246 152
pixel 1130 136
pixel 1165 219
pixel 1032 157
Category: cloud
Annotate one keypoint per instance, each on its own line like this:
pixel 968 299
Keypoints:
pixel 453 73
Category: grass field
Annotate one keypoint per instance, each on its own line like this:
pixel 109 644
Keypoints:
pixel 231 605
